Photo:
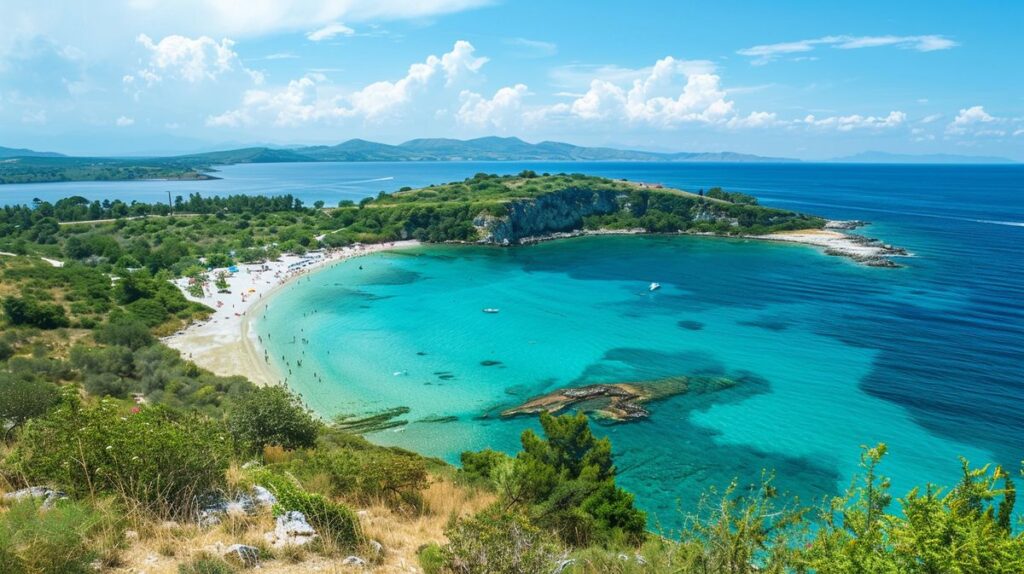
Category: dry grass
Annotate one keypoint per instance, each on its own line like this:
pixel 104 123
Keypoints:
pixel 161 547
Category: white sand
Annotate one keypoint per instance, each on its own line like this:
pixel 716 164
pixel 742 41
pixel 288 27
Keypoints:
pixel 223 344
pixel 837 243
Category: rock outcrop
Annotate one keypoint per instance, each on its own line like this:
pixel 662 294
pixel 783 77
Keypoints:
pixel 554 212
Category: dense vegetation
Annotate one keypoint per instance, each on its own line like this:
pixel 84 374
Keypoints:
pixel 92 404
pixel 220 231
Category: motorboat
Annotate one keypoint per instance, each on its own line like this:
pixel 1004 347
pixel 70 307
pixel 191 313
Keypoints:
pixel 654 286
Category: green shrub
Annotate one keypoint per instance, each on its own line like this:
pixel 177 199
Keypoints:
pixel 150 457
pixel 24 398
pixel 498 542
pixel 271 416
pixel 431 559
pixel 22 311
pixel 332 521
pixel 391 475
pixel 64 539
pixel 125 332
pixel 565 482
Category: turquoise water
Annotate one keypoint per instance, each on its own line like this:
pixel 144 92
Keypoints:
pixel 830 355
pixel 406 329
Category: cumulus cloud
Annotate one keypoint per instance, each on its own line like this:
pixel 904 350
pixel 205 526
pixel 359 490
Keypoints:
pixel 971 116
pixel 856 121
pixel 124 121
pixel 189 59
pixel 765 53
pixel 655 99
pixel 312 98
pixel 975 121
pixel 754 120
pixel 330 31
pixel 501 111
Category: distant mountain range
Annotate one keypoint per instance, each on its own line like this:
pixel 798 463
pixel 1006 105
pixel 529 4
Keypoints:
pixel 7 152
pixel 443 149
pixel 28 166
pixel 884 157
pixel 427 149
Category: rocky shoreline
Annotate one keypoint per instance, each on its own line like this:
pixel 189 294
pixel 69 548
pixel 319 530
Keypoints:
pixel 832 239
pixel 835 242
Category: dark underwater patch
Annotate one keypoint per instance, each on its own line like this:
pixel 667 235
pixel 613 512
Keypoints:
pixel 691 325
pixel 767 324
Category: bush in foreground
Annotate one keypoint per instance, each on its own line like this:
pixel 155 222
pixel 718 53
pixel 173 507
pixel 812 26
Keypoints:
pixel 272 416
pixel 149 457
pixel 498 542
pixel 332 521
pixel 565 482
pixel 65 539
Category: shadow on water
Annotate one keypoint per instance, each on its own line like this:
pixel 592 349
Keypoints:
pixel 670 461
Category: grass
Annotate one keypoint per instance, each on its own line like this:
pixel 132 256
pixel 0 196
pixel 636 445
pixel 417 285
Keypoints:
pixel 162 548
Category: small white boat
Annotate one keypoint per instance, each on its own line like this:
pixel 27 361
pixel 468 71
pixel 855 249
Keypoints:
pixel 655 286
pixel 491 310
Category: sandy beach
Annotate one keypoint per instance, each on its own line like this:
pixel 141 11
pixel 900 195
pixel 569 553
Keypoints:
pixel 224 343
pixel 861 249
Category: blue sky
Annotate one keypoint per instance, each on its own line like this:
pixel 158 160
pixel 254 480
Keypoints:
pixel 802 79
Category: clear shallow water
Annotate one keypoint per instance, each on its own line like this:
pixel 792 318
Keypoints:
pixel 830 355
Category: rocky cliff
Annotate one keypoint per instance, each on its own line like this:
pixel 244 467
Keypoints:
pixel 557 211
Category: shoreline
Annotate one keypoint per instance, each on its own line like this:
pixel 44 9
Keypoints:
pixel 224 343
pixel 831 240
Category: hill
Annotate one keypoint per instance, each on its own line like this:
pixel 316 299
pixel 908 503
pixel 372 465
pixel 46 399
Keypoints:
pixel 500 149
pixel 7 152
pixel 27 166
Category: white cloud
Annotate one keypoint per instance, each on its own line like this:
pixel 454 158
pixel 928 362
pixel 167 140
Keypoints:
pixel 972 115
pixel 580 76
pixel 930 118
pixel 461 61
pixel 312 98
pixel 753 120
pixel 656 98
pixel 330 31
pixel 189 59
pixel 501 111
pixel 974 121
pixel 765 53
pixel 856 121
pixel 124 121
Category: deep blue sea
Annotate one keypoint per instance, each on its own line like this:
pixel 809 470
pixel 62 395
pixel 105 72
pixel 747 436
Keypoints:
pixel 830 355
